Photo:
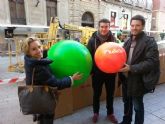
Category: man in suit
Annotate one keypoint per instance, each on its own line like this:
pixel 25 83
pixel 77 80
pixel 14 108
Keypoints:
pixel 142 58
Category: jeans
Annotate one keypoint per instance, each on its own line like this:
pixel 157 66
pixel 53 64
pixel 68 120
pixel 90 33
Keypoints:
pixel 46 119
pixel 129 103
pixel 97 84
pixel 139 109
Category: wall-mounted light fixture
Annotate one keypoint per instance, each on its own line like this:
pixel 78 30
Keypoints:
pixel 123 11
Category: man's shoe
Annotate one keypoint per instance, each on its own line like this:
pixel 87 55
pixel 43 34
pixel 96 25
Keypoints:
pixel 112 118
pixel 95 117
pixel 36 117
pixel 124 122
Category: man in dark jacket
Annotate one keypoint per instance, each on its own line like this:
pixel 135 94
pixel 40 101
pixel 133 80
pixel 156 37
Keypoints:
pixel 143 58
pixel 99 77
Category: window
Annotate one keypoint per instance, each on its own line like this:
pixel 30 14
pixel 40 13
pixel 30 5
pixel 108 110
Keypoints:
pixel 125 21
pixel 118 0
pixel 141 3
pixel 129 1
pixel 17 12
pixel 113 19
pixel 149 5
pixel 136 2
pixel 51 6
pixel 87 19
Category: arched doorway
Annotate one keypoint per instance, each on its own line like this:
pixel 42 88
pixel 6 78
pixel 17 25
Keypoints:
pixel 87 19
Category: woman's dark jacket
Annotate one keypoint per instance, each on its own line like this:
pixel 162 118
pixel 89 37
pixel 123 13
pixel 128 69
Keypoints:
pixel 93 44
pixel 42 74
pixel 145 58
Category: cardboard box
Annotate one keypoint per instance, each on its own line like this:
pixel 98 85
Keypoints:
pixel 117 93
pixel 103 94
pixel 82 95
pixel 118 89
pixel 162 61
pixel 65 103
pixel 72 99
pixel 162 66
pixel 162 76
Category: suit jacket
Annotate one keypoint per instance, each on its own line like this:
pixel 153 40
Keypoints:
pixel 145 58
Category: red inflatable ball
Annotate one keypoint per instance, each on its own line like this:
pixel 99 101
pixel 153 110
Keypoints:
pixel 110 57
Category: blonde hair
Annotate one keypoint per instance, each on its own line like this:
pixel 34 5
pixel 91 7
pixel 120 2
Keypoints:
pixel 27 43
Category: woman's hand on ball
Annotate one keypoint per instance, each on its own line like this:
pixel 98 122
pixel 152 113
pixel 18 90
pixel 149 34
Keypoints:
pixel 77 76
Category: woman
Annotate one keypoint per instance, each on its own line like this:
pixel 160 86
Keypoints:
pixel 42 73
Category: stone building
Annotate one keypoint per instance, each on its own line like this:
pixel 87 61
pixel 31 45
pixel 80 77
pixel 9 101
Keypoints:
pixel 121 11
pixel 158 15
pixel 32 13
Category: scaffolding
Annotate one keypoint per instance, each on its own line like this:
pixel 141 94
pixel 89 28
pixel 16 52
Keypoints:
pixel 17 52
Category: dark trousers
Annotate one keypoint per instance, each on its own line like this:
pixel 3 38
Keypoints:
pixel 129 103
pixel 97 84
pixel 46 119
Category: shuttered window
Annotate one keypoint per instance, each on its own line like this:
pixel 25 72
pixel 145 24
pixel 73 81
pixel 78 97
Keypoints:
pixel 51 6
pixel 17 12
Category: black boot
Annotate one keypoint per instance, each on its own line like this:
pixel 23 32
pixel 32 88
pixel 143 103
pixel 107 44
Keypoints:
pixel 123 122
pixel 126 120
pixel 36 117
pixel 46 119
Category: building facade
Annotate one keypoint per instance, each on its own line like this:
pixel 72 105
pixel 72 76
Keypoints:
pixel 158 15
pixel 120 12
pixel 78 12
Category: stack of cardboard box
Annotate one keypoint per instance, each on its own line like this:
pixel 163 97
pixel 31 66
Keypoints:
pixel 162 63
pixel 72 99
pixel 82 95
pixel 65 103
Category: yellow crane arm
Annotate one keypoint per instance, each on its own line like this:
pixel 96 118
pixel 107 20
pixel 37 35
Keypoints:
pixel 86 31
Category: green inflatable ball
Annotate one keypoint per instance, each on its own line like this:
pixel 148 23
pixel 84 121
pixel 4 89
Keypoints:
pixel 70 57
